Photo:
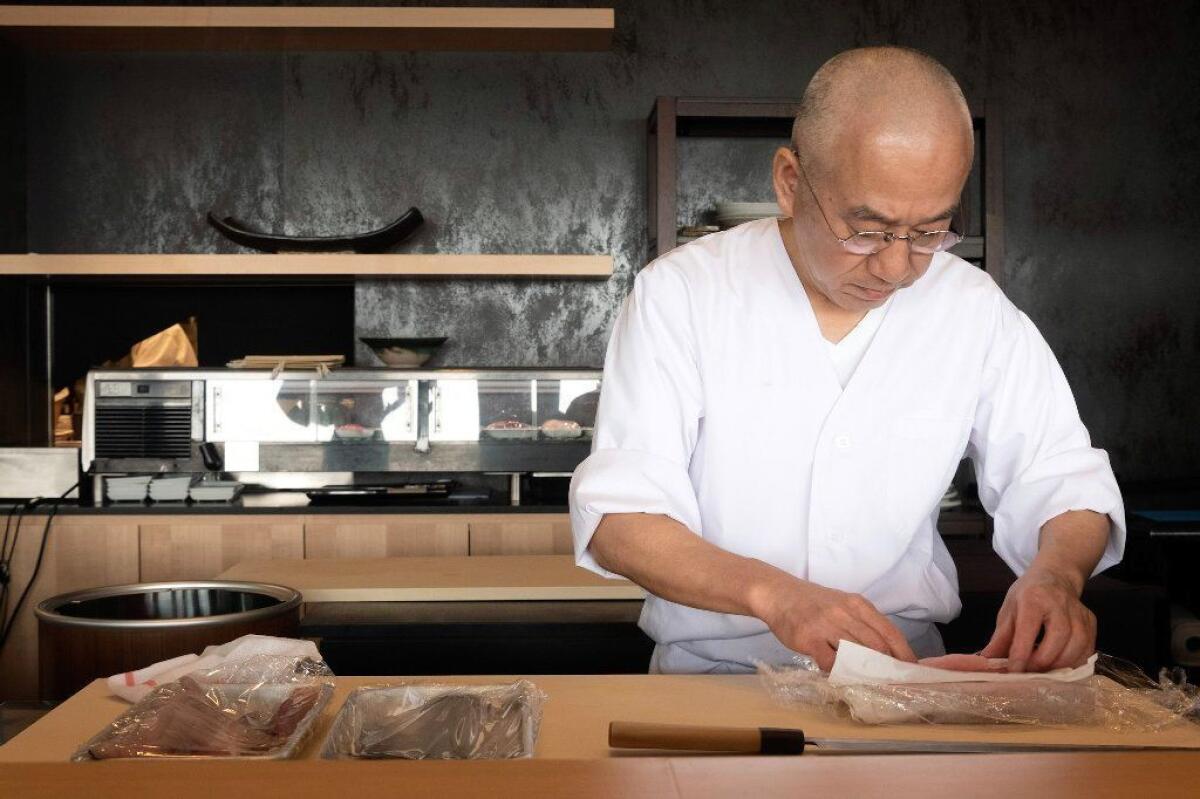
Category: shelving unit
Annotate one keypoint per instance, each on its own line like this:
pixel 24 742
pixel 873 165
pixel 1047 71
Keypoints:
pixel 36 279
pixel 307 28
pixel 309 265
pixel 674 117
pixel 313 28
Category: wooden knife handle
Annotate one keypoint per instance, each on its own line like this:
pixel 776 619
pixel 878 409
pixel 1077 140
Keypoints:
pixel 683 737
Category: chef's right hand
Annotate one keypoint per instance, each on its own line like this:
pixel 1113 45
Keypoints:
pixel 811 619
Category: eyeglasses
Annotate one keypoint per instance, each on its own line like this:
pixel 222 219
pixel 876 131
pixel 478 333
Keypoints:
pixel 870 242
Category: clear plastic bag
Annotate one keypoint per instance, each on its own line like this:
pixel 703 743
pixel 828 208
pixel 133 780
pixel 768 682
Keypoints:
pixel 191 718
pixel 1118 697
pixel 419 721
pixel 261 706
pixel 265 668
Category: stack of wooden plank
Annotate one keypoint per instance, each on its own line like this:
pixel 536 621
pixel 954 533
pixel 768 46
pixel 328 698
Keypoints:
pixel 277 363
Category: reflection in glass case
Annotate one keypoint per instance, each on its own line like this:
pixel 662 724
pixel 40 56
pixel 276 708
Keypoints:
pixel 351 421
pixel 445 407
pixel 389 420
pixel 352 427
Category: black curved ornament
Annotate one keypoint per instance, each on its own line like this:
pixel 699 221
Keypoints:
pixel 371 242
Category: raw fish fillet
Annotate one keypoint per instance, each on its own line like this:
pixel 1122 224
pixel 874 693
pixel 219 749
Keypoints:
pixel 966 663
pixel 187 718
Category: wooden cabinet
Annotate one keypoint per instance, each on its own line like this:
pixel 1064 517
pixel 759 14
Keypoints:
pixel 81 552
pixel 200 548
pixel 370 536
pixel 526 534
pixel 89 551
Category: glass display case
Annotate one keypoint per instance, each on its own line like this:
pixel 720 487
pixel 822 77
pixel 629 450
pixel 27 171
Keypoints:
pixel 350 420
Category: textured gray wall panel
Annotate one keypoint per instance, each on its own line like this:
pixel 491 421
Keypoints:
pixel 543 153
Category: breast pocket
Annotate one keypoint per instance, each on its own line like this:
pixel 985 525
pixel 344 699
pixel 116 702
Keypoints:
pixel 922 456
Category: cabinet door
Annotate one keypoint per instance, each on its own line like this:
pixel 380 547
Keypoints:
pixel 378 536
pixel 531 534
pixel 200 548
pixel 81 552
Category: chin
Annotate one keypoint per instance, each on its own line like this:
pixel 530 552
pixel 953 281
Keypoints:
pixel 851 302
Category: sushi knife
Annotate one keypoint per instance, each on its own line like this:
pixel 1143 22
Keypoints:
pixel 775 741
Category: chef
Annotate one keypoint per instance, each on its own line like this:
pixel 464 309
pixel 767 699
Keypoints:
pixel 785 403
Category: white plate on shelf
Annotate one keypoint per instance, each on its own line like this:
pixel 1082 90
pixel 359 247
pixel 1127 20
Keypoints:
pixel 354 434
pixel 510 433
pixel 170 489
pixel 749 210
pixel 734 214
pixel 215 491
pixel 127 489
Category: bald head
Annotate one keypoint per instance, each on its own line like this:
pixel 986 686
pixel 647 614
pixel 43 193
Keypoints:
pixel 892 102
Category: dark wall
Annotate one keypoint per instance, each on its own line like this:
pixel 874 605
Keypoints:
pixel 22 390
pixel 94 324
pixel 546 153
pixel 12 150
pixel 1102 165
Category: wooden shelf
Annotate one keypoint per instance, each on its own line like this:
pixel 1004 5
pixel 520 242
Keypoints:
pixel 672 118
pixel 468 578
pixel 308 265
pixel 314 28
pixel 746 118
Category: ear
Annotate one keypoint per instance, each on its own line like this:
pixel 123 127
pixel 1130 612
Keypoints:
pixel 785 176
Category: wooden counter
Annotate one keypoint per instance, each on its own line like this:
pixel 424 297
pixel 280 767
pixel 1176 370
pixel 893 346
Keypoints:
pixel 1063 776
pixel 579 708
pixel 572 756
pixel 113 546
pixel 471 578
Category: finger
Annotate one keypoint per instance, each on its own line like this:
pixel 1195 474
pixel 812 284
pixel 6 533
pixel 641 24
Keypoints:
pixel 824 655
pixel 1026 626
pixel 860 632
pixel 1083 641
pixel 1072 654
pixel 1059 627
pixel 866 613
pixel 897 644
pixel 1002 638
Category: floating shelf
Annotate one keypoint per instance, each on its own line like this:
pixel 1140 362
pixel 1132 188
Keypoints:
pixel 314 28
pixel 308 265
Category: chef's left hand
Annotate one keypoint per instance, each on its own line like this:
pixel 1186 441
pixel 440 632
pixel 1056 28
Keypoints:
pixel 1043 601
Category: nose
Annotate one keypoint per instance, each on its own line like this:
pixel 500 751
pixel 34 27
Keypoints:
pixel 892 264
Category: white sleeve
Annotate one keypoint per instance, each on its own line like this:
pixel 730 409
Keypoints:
pixel 649 415
pixel 1033 456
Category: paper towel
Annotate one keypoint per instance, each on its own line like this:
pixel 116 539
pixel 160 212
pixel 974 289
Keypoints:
pixel 857 665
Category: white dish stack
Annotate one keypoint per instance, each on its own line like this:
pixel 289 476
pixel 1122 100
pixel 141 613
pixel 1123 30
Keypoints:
pixel 170 489
pixel 126 489
pixel 733 214
pixel 215 491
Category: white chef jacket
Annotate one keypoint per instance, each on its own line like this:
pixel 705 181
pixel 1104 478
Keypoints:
pixel 720 408
pixel 848 353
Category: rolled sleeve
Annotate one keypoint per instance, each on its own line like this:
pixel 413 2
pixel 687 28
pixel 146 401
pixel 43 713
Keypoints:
pixel 649 415
pixel 626 481
pixel 1033 456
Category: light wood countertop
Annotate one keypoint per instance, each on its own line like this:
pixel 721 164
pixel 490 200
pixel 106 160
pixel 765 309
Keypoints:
pixel 579 708
pixel 572 757
pixel 1063 776
pixel 469 578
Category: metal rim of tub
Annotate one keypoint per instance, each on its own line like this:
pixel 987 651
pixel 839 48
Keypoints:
pixel 288 600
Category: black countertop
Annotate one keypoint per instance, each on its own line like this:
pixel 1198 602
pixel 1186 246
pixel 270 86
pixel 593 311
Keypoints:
pixel 276 502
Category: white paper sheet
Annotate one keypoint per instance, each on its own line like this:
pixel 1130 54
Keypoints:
pixel 857 665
